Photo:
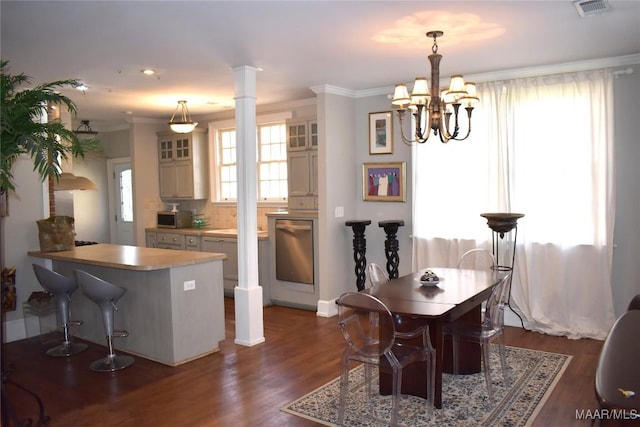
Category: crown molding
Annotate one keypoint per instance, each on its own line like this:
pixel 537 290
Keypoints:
pixel 518 73
pixel 334 90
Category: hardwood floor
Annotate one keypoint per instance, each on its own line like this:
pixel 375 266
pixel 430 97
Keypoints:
pixel 239 386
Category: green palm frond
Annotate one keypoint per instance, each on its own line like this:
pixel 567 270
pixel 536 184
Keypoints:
pixel 22 130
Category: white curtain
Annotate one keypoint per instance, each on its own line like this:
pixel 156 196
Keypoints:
pixel 543 147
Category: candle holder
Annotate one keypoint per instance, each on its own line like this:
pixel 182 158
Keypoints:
pixel 391 245
pixel 359 249
pixel 504 227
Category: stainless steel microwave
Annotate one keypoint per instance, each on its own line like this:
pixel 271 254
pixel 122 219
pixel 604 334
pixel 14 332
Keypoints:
pixel 179 219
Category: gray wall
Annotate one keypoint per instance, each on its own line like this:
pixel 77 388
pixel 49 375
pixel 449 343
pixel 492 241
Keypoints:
pixel 626 253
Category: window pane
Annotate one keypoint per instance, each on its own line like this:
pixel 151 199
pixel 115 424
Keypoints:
pixel 271 167
pixel 126 196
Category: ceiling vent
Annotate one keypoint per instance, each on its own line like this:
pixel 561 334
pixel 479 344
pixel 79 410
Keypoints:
pixel 591 7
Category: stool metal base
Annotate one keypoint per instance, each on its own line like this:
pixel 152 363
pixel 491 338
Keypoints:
pixel 112 363
pixel 65 350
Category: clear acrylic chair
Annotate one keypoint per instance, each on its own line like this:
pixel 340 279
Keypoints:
pixel 477 258
pixel 490 330
pixel 61 287
pixel 371 338
pixel 374 275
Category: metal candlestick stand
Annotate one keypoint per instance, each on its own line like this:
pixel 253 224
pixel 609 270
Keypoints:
pixel 503 224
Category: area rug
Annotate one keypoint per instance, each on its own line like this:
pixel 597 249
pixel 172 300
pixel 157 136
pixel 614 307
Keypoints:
pixel 533 375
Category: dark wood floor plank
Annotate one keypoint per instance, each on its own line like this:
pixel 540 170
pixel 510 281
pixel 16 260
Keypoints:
pixel 239 386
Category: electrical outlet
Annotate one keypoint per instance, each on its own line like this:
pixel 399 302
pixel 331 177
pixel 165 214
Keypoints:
pixel 189 285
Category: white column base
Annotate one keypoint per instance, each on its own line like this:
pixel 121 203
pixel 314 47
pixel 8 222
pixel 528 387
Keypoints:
pixel 249 316
pixel 327 308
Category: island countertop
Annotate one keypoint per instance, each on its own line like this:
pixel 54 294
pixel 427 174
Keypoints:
pixel 129 257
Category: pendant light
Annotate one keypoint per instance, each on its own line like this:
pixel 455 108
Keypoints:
pixel 183 124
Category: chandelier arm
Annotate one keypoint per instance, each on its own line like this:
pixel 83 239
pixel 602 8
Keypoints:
pixel 469 111
pixel 456 126
pixel 405 139
pixel 420 131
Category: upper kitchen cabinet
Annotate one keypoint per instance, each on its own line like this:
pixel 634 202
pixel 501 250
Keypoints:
pixel 183 165
pixel 302 135
pixel 302 164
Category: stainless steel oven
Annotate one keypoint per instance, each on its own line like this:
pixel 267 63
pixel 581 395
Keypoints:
pixel 294 251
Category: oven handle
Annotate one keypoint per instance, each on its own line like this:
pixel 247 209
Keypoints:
pixel 293 227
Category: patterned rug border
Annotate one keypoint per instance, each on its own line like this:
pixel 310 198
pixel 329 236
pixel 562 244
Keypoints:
pixel 524 385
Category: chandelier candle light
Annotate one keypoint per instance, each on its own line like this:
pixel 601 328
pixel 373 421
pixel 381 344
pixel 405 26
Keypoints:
pixel 184 124
pixel 433 110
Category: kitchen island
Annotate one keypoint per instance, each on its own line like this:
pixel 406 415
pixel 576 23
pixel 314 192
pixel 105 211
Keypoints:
pixel 173 308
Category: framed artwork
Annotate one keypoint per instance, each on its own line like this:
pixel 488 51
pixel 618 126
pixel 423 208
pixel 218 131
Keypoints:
pixel 384 182
pixel 381 133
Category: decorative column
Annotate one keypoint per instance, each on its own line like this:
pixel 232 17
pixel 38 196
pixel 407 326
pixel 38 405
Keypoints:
pixel 504 227
pixel 359 249
pixel 248 293
pixel 391 245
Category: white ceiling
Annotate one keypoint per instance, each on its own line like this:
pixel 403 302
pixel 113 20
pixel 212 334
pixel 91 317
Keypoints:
pixel 193 45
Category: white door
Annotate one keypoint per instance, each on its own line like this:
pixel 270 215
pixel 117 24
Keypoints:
pixel 123 203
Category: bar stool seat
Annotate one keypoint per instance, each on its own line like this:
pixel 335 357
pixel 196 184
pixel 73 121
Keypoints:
pixel 105 295
pixel 61 287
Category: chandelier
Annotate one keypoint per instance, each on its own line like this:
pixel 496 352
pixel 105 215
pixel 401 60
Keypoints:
pixel 184 124
pixel 433 110
pixel 84 131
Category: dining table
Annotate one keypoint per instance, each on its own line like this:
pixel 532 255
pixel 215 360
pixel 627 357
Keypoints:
pixel 456 297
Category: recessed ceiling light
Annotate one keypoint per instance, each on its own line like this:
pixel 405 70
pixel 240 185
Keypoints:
pixel 148 71
pixel 83 87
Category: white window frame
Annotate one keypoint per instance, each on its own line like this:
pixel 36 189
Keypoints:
pixel 214 157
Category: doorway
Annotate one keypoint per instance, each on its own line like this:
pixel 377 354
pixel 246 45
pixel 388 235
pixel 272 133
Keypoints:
pixel 121 200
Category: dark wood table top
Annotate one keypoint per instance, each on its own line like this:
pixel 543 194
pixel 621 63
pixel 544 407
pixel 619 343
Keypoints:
pixel 457 287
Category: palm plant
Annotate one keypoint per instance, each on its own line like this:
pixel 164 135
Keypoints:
pixel 23 132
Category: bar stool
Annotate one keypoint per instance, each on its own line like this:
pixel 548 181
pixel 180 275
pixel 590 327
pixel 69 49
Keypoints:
pixel 105 295
pixel 61 287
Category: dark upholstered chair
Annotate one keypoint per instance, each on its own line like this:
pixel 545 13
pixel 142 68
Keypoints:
pixel 635 303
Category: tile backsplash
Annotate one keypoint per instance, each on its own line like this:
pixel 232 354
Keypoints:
pixel 223 216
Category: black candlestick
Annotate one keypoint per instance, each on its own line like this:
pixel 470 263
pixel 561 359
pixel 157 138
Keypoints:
pixel 359 249
pixel 391 246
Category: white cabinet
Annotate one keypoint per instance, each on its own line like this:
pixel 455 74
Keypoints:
pixel 229 247
pixel 183 165
pixel 302 164
pixel 150 238
pixel 170 240
pixel 192 243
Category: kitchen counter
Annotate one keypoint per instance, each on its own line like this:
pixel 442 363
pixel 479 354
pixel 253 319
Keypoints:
pixel 293 214
pixel 214 232
pixel 129 257
pixel 174 305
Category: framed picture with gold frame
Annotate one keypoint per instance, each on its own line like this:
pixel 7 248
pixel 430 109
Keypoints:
pixel 384 182
pixel 381 133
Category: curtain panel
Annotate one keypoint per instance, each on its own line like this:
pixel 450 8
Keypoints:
pixel 541 146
